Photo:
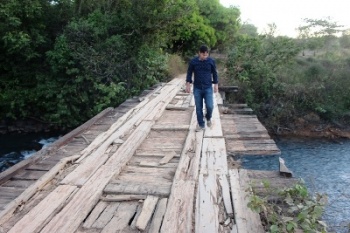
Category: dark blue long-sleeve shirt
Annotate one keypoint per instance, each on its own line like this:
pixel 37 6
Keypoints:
pixel 205 73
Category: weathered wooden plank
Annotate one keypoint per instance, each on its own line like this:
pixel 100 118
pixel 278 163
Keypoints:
pixel 147 211
pixel 178 216
pixel 29 192
pixel 207 210
pixel 214 156
pixel 18 183
pixel 44 211
pixel 158 216
pixel 106 215
pixel 238 205
pixel 121 218
pixel 81 204
pixel 80 175
pixel 167 158
pixel 124 197
pixel 138 188
pixel 96 212
pixel 8 173
pixel 28 175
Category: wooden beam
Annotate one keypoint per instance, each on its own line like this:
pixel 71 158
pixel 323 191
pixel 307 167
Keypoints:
pixel 146 213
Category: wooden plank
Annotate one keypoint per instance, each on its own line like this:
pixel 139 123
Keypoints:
pixel 158 216
pixel 124 197
pixel 167 158
pixel 138 188
pixel 238 205
pixel 29 192
pixel 44 211
pixel 207 210
pixel 8 173
pixel 29 175
pixel 179 212
pixel 147 212
pixel 121 218
pixel 214 156
pixel 82 173
pixel 69 219
pixel 106 215
pixel 96 212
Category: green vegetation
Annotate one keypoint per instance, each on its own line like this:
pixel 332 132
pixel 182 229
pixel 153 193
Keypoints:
pixel 63 61
pixel 285 79
pixel 290 210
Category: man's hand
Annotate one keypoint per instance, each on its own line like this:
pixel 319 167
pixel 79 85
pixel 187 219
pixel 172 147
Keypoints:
pixel 188 87
pixel 216 88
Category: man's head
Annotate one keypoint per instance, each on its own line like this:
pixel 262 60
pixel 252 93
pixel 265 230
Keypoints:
pixel 203 52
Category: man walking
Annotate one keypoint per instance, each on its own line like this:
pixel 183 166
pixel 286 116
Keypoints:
pixel 204 69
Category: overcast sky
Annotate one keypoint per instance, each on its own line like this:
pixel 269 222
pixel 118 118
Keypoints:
pixel 288 14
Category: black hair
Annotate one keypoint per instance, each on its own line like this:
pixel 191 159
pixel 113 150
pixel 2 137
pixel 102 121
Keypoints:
pixel 203 49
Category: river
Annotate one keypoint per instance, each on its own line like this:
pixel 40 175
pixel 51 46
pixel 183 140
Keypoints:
pixel 324 166
pixel 16 147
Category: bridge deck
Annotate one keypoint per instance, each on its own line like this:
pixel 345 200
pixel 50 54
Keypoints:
pixel 139 167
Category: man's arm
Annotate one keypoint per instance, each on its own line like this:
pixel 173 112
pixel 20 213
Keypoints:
pixel 189 77
pixel 215 76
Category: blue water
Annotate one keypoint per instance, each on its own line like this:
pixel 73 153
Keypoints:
pixel 323 165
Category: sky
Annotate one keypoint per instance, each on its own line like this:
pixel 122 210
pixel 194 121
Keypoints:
pixel 288 14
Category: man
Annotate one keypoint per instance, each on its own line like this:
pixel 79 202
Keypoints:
pixel 204 69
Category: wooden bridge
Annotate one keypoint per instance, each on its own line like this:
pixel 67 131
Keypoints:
pixel 140 167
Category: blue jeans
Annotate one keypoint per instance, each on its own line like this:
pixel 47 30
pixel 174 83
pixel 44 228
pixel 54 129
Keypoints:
pixel 207 95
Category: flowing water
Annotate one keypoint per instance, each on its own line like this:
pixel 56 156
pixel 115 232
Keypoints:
pixel 16 147
pixel 325 168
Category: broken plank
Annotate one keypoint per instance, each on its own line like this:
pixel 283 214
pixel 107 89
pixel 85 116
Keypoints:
pixel 167 158
pixel 114 198
pixel 96 212
pixel 121 218
pixel 158 216
pixel 146 212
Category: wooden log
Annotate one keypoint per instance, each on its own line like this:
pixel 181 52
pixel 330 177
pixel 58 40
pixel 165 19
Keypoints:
pixel 284 171
pixel 44 211
pixel 146 213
